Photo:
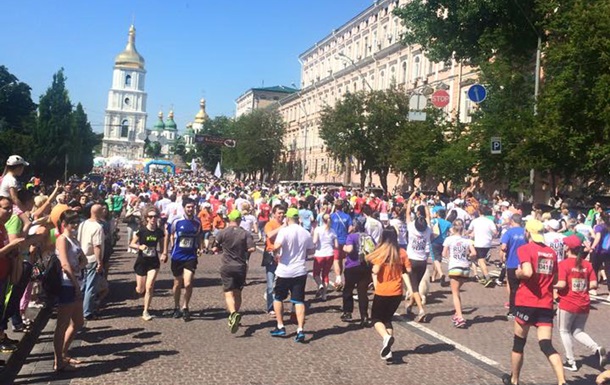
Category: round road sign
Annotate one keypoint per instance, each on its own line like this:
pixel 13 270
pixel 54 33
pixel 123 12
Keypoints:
pixel 440 98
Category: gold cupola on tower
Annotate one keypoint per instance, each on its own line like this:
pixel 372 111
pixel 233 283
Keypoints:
pixel 130 56
pixel 201 116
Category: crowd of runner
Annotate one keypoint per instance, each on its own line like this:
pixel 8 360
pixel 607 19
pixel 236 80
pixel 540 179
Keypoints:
pixel 395 246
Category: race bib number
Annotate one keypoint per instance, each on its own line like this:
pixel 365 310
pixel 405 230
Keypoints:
pixel 149 252
pixel 545 266
pixel 579 285
pixel 186 242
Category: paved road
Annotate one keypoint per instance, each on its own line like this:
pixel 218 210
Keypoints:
pixel 122 349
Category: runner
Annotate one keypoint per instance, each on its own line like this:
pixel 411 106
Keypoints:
pixel 459 250
pixel 205 217
pixel 390 269
pixel 271 229
pixel 341 223
pixel 512 239
pixel 325 240
pixel 576 277
pixel 147 241
pixel 236 244
pixel 482 230
pixel 184 235
pixel 292 246
pixel 534 301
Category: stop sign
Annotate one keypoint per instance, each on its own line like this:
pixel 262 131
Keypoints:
pixel 440 98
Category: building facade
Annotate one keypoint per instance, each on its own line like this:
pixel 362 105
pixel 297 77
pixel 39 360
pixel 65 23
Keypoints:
pixel 196 127
pixel 125 116
pixel 363 54
pixel 256 98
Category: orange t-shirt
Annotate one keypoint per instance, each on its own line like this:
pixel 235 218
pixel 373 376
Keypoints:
pixel 389 279
pixel 206 220
pixel 218 223
pixel 270 226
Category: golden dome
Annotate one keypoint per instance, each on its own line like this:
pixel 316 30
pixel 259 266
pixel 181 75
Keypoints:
pixel 130 56
pixel 201 116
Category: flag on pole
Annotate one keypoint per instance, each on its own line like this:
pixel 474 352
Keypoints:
pixel 193 166
pixel 218 173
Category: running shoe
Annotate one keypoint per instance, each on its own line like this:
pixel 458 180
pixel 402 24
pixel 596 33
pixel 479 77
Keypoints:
pixel 146 316
pixel 408 312
pixel 186 314
pixel 444 282
pixel 507 379
pixel 21 328
pixel 319 291
pixel 389 359
pixel 234 319
pixel 510 316
pixel 480 280
pixel 300 337
pixel 488 282
pixel 366 322
pixel 339 286
pixel 454 319
pixel 460 323
pixel 601 356
pixel 177 313
pixel 278 332
pixel 388 341
pixel 570 365
pixel 499 282
pixel 592 292
pixel 346 317
pixel 421 317
pixel 6 346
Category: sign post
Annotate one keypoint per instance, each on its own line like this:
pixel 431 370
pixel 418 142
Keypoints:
pixel 496 145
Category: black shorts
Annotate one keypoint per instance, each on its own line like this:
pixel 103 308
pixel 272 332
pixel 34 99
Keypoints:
pixel 482 252
pixel 296 287
pixel 534 316
pixel 179 266
pixel 418 269
pixel 144 264
pixel 384 308
pixel 233 277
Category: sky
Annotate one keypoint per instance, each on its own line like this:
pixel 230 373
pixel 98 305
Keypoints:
pixel 216 49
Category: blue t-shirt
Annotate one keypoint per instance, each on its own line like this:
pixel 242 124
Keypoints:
pixel 443 228
pixel 513 238
pixel 305 216
pixel 186 232
pixel 340 222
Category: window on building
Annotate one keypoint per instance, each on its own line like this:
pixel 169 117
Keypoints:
pixel 416 68
pixel 127 101
pixel 128 81
pixel 430 67
pixel 404 72
pixel 124 128
pixel 382 80
pixel 366 46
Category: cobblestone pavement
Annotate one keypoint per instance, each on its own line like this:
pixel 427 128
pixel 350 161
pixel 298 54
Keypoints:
pixel 121 348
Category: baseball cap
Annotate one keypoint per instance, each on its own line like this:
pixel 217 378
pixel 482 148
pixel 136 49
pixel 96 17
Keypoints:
pixel 554 224
pixel 572 241
pixel 234 215
pixel 292 213
pixel 505 204
pixel 535 227
pixel 16 160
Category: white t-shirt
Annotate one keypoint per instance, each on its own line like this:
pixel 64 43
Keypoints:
pixel 326 242
pixel 295 242
pixel 90 234
pixel 418 247
pixel 483 230
pixel 585 230
pixel 459 249
pixel 401 229
pixel 247 222
pixel 8 181
pixel 374 228
pixel 554 240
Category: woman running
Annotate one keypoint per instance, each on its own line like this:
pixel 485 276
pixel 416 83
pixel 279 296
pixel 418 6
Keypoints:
pixel 390 269
pixel 458 249
pixel 576 277
pixel 70 299
pixel 147 240
pixel 325 240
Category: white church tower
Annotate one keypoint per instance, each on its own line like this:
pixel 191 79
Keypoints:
pixel 125 120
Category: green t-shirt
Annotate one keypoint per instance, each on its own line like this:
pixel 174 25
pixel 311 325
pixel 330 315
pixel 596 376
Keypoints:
pixel 14 226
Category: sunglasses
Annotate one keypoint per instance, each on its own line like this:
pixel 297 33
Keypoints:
pixel 74 223
pixel 152 216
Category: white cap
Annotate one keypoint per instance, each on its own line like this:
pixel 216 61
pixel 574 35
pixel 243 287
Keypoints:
pixel 458 201
pixel 16 160
pixel 505 204
pixel 553 224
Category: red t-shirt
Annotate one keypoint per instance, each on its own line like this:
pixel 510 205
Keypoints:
pixel 538 290
pixel 575 297
pixel 264 210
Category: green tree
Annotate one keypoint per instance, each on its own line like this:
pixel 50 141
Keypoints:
pixel 83 141
pixel 209 155
pixel 153 149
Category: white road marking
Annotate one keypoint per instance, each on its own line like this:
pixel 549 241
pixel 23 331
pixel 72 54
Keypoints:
pixel 603 299
pixel 458 346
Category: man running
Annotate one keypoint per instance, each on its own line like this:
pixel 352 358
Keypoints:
pixel 184 233
pixel 482 230
pixel 236 244
pixel 292 245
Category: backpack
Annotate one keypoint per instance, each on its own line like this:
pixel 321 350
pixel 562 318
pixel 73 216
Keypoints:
pixel 605 244
pixel 52 276
pixel 366 245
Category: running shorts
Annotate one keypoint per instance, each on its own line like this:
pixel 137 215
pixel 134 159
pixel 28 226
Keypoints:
pixel 418 269
pixel 383 309
pixel 233 277
pixel 144 264
pixel 178 267
pixel 296 287
pixel 534 316
pixel 459 272
pixel 482 252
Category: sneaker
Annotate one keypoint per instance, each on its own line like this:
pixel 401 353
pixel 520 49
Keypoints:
pixel 234 319
pixel 300 337
pixel 570 365
pixel 388 341
pixel 499 283
pixel 506 305
pixel 421 317
pixel 454 319
pixel 389 359
pixel 271 314
pixel 444 282
pixel 408 312
pixel 177 313
pixel 6 346
pixel 324 294
pixel 488 282
pixel 592 292
pixel 346 317
pixel 481 280
pixel 510 316
pixel 20 328
pixel 339 286
pixel 186 314
pixel 146 316
pixel 507 379
pixel 460 323
pixel 366 322
pixel 278 332
pixel 319 291
pixel 601 356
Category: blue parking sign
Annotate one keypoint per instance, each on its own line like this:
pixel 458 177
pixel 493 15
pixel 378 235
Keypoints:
pixel 496 145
